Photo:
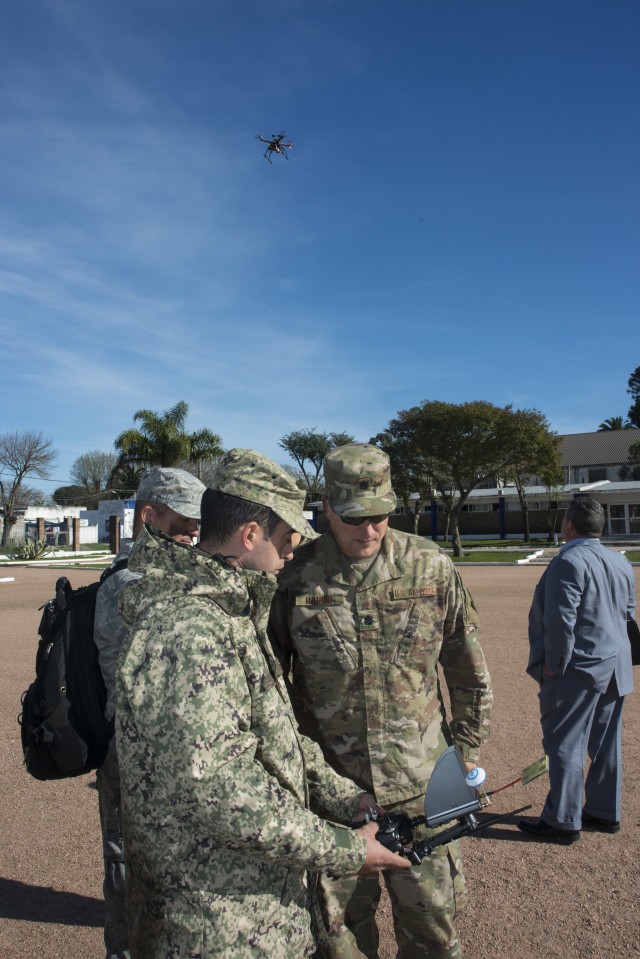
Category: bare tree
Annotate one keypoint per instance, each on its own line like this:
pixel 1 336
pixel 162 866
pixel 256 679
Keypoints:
pixel 93 469
pixel 22 454
pixel 205 470
pixel 91 474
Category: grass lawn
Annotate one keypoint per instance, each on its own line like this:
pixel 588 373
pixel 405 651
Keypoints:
pixel 497 544
pixel 633 555
pixel 492 556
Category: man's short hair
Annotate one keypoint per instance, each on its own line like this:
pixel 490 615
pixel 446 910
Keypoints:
pixel 223 515
pixel 587 516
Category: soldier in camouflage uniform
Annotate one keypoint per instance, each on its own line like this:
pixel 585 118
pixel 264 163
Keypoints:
pixel 169 500
pixel 361 621
pixel 218 786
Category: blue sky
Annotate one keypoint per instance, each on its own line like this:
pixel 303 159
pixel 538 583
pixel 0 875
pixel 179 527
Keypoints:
pixel 458 219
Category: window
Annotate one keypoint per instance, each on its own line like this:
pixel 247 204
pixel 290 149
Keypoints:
pixel 598 474
pixel 617 523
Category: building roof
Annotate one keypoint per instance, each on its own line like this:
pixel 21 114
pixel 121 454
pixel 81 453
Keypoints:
pixel 597 449
pixel 563 492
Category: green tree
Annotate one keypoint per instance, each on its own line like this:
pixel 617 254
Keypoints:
pixel 631 469
pixel 73 495
pixel 531 449
pixel 162 440
pixel 125 479
pixel 454 448
pixel 634 390
pixel 614 423
pixel 552 476
pixel 460 447
pixel 308 449
pixel 22 454
pixel 410 474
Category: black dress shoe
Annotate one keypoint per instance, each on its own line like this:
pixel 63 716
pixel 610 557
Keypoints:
pixel 600 825
pixel 541 830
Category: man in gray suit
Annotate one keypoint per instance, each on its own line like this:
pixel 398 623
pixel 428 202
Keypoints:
pixel 581 656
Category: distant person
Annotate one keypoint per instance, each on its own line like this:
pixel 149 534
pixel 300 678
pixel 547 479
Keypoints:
pixel 168 500
pixel 581 656
pixel 367 622
pixel 222 797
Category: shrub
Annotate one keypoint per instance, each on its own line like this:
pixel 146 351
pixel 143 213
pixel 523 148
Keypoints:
pixel 30 549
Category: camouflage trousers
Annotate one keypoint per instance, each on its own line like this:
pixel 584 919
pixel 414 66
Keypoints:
pixel 424 900
pixel 115 927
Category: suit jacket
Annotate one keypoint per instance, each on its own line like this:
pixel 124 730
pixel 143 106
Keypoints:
pixel 578 618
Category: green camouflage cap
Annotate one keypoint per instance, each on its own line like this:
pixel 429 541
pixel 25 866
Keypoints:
pixel 179 490
pixel 357 480
pixel 252 476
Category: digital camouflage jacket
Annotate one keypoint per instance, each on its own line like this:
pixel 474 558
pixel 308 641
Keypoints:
pixel 109 628
pixel 361 646
pixel 217 783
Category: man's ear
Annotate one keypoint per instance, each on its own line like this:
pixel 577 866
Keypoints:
pixel 249 534
pixel 145 513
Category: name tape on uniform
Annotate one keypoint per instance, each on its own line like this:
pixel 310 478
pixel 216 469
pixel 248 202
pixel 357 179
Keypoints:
pixel 325 599
pixel 412 592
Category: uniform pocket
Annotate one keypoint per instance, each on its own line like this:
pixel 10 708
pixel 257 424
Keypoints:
pixel 325 640
pixel 417 626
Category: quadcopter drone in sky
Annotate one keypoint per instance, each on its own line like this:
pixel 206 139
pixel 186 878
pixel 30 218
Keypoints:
pixel 275 145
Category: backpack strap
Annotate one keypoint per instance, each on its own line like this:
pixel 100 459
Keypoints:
pixel 110 570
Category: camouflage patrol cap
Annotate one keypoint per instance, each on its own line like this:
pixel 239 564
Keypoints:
pixel 358 480
pixel 179 490
pixel 252 476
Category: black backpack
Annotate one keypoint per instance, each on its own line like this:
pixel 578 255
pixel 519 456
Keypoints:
pixel 63 728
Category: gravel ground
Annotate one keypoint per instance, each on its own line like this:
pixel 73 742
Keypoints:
pixel 525 898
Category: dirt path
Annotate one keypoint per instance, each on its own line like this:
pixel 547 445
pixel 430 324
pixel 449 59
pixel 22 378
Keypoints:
pixel 525 899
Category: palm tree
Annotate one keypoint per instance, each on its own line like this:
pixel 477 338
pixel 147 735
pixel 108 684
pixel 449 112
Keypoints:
pixel 615 423
pixel 162 440
pixel 125 479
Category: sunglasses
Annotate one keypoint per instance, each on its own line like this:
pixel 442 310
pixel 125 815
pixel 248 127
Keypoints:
pixel 359 520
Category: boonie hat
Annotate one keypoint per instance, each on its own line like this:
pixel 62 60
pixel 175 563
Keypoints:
pixel 179 490
pixel 357 480
pixel 252 476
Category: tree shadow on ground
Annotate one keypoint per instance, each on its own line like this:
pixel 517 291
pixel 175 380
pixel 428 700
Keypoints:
pixel 19 900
